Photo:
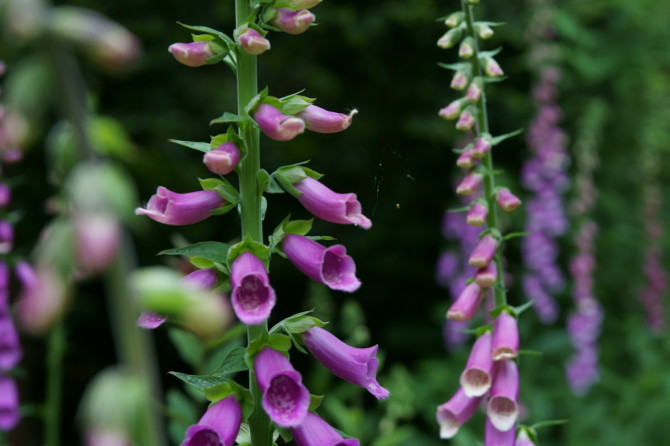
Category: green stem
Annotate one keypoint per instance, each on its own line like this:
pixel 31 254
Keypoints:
pixel 54 385
pixel 489 178
pixel 250 208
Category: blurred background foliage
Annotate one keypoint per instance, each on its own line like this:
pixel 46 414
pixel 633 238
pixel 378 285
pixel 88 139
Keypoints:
pixel 381 57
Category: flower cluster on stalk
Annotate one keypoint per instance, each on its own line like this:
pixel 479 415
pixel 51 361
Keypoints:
pixel 240 270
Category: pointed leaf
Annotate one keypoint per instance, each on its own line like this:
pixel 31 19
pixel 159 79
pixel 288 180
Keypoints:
pixel 200 146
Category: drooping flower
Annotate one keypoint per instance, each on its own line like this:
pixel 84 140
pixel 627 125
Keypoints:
pixel 277 125
pixel 9 403
pixel 252 42
pixel 331 206
pixel 6 236
pixel 477 214
pixel 172 208
pixel 467 303
pixel 222 159
pixel 487 277
pixel 484 251
pixel 192 54
pixel 97 239
pixel 293 22
pixel 452 110
pixel 42 300
pixel 477 377
pixel 253 298
pixel 502 408
pixel 466 120
pixel 469 184
pixel 355 365
pixel 505 337
pixel 330 266
pixel 495 437
pixel 285 398
pixel 218 426
pixel 10 348
pixel 320 120
pixel 314 431
pixel 456 412
pixel 507 200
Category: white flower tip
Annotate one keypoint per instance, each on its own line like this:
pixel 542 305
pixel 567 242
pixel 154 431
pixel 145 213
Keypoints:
pixel 448 427
pixel 475 382
pixel 503 353
pixel 502 412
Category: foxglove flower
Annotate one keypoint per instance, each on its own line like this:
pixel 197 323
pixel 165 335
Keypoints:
pixel 218 426
pixel 6 236
pixel 492 68
pixel 285 398
pixel 222 159
pixel 252 42
pixel 331 206
pixel 451 111
pixel 455 413
pixel 476 378
pixel 449 39
pixel 356 365
pixel 507 200
pixel 466 304
pixel 465 160
pixel 5 195
pixel 9 403
pixel 502 408
pixel 330 266
pixel 505 337
pixel 253 298
pixel 495 437
pixel 481 147
pixel 474 92
pixel 4 289
pixel 150 321
pixel 466 121
pixel 314 431
pixel 459 81
pixel 293 22
pixel 10 348
pixel 277 125
pixel 487 277
pixel 469 184
pixel 172 208
pixel 320 120
pixel 42 299
pixel 477 214
pixel 466 49
pixel 193 54
pixel 97 239
pixel 484 31
pixel 484 251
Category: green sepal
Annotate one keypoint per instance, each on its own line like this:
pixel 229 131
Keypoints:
pixel 298 323
pixel 256 101
pixel 495 232
pixel 499 309
pixel 279 342
pixel 211 31
pixel 483 55
pixel 267 183
pixel 498 139
pixel 213 251
pixel 512 235
pixel 300 227
pixel 256 248
pixel 315 401
pixel 200 146
pixel 476 331
pixel 516 311
pixel 225 190
pixel 455 66
pixel 295 103
pixel 547 423
pixel 461 209
pixel 227 118
pixel 284 433
pixel 287 176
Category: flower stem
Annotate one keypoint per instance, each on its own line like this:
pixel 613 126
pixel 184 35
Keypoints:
pixel 489 178
pixel 250 207
pixel 54 385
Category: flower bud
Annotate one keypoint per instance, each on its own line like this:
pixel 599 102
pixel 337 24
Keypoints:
pixel 483 253
pixel 465 159
pixel 252 42
pixel 450 38
pixel 469 184
pixel 451 111
pixel 481 147
pixel 323 121
pixel 466 50
pixel 484 31
pixel 454 19
pixel 277 125
pixel 97 239
pixel 466 304
pixel 292 22
pixel 477 213
pixel 466 121
pixel 491 68
pixel 505 337
pixel 459 81
pixel 222 159
pixel 507 200
pixel 474 92
pixel 487 277
pixel 193 54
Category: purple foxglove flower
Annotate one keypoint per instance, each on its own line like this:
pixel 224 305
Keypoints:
pixel 484 31
pixel 466 121
pixel 484 251
pixel 502 408
pixel 150 321
pixel 469 184
pixel 455 413
pixel 42 300
pixel 505 337
pixel 447 266
pixel 495 437
pixel 285 398
pixel 106 437
pixel 477 376
pixel 465 307
pixel 356 365
pixel 293 22
pixel 314 431
pixel 9 403
pixel 331 206
pixel 4 289
pixel 330 266
pixel 193 54
pixel 252 42
pixel 487 277
pixel 320 120
pixel 481 147
pixel 6 236
pixel 451 111
pixel 523 439
pixel 474 92
pixel 5 195
pixel 172 208
pixel 277 125
pixel 507 200
pixel 10 348
pixel 459 81
pixel 466 50
pixel 492 68
pixel 465 159
pixel 253 298
pixel 218 426
pixel 97 239
pixel 477 214
pixel 222 159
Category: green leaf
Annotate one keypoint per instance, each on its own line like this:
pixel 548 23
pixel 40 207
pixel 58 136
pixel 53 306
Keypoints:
pixel 210 31
pixel 200 146
pixel 214 251
pixel 228 192
pixel 228 118
pixel 188 346
pixel 512 235
pixel 263 179
pixel 295 104
pixel 454 66
pixel 233 362
pixel 530 353
pixel 200 382
pixel 461 209
pixel 500 138
pixel 256 248
pixel 300 227
pixel 521 308
pixel 477 331
pixel 315 401
pixel 301 324
pixel 209 183
pixel 541 424
pixel 279 342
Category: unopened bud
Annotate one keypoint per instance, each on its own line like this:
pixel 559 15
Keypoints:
pixel 474 92
pixel 252 42
pixel 507 200
pixel 481 146
pixel 484 31
pixel 469 184
pixel 193 54
pixel 466 50
pixel 450 38
pixel 451 111
pixel 454 19
pixel 223 159
pixel 465 160
pixel 492 68
pixel 97 239
pixel 466 121
pixel 477 214
pixel 459 81
pixel 42 300
pixel 293 22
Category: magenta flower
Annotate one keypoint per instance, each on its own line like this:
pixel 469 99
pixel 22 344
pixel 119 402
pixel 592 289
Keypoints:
pixel 474 92
pixel 172 208
pixel 4 289
pixel 252 42
pixel 355 365
pixel 5 195
pixel 150 321
pixel 466 121
pixel 222 159
pixel 193 54
pixel 9 403
pixel 477 214
pixel 330 266
pixel 320 120
pixel 6 236
pixel 331 206
pixel 477 376
pixel 505 337
pixel 451 111
pixel 218 426
pixel 484 251
pixel 487 277
pixel 481 147
pixel 97 239
pixel 285 398
pixel 459 81
pixel 253 298
pixel 10 348
pixel 293 22
pixel 455 413
pixel 277 125
pixel 495 437
pixel 502 408
pixel 465 159
pixel 507 200
pixel 314 431
pixel 467 303
pixel 42 300
pixel 469 184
